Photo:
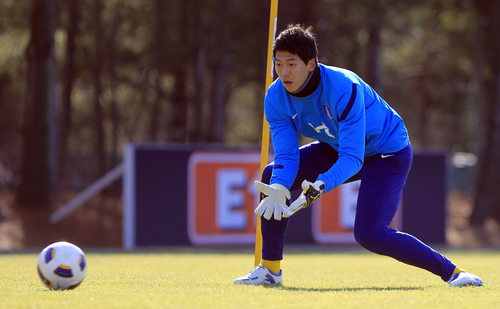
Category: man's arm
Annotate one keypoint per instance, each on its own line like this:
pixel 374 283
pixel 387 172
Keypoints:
pixel 352 131
pixel 285 141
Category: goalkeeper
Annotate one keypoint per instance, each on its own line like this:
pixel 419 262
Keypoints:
pixel 358 136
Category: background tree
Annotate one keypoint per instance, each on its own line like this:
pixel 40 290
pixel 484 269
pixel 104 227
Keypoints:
pixel 97 72
pixel 487 195
pixel 219 69
pixel 35 177
pixel 177 64
pixel 69 73
pixel 374 25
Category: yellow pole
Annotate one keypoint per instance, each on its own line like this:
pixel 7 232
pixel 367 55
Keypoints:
pixel 273 20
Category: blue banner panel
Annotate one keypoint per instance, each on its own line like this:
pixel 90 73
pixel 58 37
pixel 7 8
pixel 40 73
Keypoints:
pixel 425 198
pixel 156 210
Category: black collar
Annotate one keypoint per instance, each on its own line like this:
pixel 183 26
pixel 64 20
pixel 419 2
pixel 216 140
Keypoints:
pixel 310 85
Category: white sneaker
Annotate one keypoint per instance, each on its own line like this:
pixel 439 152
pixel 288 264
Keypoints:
pixel 261 276
pixel 465 279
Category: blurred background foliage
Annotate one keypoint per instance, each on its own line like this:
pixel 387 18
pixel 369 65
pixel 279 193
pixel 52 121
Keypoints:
pixel 193 71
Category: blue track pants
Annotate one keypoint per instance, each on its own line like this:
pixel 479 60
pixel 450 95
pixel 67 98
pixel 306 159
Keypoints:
pixel 382 181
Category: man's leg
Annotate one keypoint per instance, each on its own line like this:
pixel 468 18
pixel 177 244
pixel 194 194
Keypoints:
pixel 315 158
pixel 382 182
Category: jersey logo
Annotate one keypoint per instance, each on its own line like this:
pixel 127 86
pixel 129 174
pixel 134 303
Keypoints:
pixel 328 112
pixel 322 127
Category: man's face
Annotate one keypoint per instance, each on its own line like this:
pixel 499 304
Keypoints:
pixel 291 70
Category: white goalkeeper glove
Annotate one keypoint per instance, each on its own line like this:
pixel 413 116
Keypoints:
pixel 310 193
pixel 274 202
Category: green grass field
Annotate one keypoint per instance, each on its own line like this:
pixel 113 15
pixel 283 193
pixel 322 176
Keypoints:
pixel 202 278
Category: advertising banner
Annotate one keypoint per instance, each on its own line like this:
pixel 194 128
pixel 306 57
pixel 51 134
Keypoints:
pixel 183 195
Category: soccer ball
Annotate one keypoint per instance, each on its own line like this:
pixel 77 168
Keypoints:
pixel 62 266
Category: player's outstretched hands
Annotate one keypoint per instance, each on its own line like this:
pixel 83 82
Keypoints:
pixel 274 200
pixel 310 193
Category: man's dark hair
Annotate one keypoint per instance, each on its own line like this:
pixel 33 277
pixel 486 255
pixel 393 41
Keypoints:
pixel 297 40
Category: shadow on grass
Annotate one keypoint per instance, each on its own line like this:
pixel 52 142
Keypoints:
pixel 345 289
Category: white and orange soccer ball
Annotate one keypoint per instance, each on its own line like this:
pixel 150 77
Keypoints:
pixel 62 266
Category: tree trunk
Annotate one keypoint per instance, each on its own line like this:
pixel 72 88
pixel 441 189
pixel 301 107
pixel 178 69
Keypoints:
pixel 114 114
pixel 178 123
pixel 487 195
pixel 97 72
pixel 373 68
pixel 198 51
pixel 219 69
pixel 158 67
pixel 422 103
pixel 179 106
pixel 34 189
pixel 53 125
pixel 67 82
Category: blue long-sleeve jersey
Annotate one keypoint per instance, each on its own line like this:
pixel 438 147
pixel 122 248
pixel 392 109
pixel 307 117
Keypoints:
pixel 344 112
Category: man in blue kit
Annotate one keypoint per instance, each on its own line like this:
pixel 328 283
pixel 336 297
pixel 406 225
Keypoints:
pixel 358 136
